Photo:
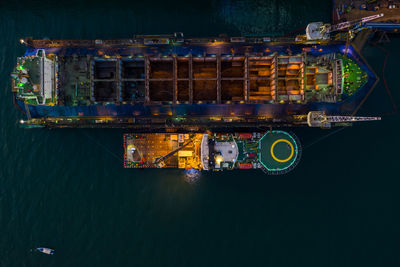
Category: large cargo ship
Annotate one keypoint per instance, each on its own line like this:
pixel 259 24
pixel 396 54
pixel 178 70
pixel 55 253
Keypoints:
pixel 154 83
pixel 275 152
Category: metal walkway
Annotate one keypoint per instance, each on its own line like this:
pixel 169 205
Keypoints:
pixel 382 26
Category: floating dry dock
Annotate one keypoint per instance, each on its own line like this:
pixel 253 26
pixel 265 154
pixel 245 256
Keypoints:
pixel 158 83
pixel 275 152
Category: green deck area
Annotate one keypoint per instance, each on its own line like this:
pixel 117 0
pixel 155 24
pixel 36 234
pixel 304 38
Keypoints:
pixel 246 147
pixel 28 84
pixel 278 151
pixel 353 76
pixel 26 75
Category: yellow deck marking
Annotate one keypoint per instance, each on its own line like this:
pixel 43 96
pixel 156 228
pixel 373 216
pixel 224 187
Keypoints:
pixel 282 160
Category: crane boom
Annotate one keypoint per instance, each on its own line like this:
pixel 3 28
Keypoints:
pixel 348 24
pixel 160 159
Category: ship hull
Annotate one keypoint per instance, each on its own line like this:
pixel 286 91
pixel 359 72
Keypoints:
pixel 131 114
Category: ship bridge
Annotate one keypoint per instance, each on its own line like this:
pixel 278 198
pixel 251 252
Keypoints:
pixel 34 78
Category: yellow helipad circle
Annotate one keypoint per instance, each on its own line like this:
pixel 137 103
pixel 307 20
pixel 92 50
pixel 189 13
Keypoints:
pixel 282 160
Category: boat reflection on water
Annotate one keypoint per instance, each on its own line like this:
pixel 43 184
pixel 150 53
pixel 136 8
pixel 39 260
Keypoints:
pixel 192 176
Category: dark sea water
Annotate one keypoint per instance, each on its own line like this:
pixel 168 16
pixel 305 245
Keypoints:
pixel 66 189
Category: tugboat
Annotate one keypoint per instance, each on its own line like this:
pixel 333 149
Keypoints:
pixel 47 251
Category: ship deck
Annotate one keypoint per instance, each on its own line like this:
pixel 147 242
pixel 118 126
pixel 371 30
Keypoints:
pixel 143 150
pixel 204 73
pixel 175 150
pixel 185 88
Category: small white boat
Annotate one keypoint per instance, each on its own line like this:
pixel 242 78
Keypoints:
pixel 47 251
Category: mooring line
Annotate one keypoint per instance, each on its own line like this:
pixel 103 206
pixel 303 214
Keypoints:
pixel 102 146
pixel 389 93
pixel 323 137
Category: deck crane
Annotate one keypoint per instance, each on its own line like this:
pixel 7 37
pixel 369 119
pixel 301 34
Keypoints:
pixel 353 23
pixel 159 160
pixel 320 119
pixel 319 31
